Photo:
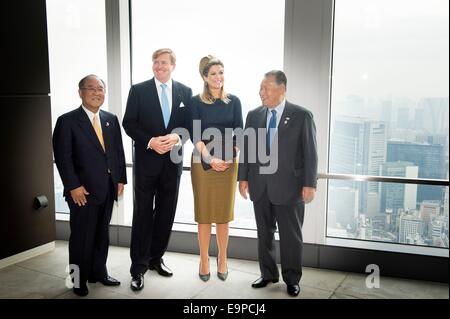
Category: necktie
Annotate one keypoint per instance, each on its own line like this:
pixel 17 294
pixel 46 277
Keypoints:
pixel 165 104
pixel 271 130
pixel 98 131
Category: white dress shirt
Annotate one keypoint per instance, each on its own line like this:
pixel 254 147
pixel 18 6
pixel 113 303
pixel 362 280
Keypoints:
pixel 91 117
pixel 168 91
pixel 169 97
pixel 280 110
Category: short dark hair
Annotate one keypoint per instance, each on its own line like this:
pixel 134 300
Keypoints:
pixel 280 77
pixel 83 81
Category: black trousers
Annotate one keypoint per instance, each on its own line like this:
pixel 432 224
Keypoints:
pixel 290 220
pixel 155 203
pixel 89 236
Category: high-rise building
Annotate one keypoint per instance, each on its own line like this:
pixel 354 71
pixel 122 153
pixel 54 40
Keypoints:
pixel 445 205
pixel 344 202
pixel 429 158
pixel 398 195
pixel 441 139
pixel 435 115
pixel 374 156
pixel 372 204
pixel 429 210
pixel 390 220
pixel 403 117
pixel 358 146
pixel 436 233
pixel 374 148
pixel 386 111
pixel 418 118
pixel 410 229
pixel 346 147
pixel 407 135
pixel 346 152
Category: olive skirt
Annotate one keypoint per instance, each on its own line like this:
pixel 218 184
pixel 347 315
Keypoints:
pixel 214 193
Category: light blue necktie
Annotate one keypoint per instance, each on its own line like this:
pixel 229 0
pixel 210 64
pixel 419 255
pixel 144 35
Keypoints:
pixel 165 105
pixel 271 130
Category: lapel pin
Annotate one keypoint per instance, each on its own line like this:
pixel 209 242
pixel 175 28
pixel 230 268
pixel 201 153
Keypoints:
pixel 107 124
pixel 286 120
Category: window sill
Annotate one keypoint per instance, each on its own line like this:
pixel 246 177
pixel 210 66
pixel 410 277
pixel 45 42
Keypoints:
pixel 390 247
pixel 189 228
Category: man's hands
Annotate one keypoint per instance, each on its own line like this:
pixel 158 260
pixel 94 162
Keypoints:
pixel 307 194
pixel 79 195
pixel 120 187
pixel 243 188
pixel 163 144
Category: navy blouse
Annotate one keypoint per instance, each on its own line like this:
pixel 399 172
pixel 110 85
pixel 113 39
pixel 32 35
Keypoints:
pixel 218 115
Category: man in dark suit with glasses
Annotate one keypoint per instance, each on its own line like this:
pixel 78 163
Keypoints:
pixel 89 155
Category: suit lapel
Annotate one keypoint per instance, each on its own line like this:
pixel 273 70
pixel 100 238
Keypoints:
pixel 260 122
pixel 262 118
pixel 106 129
pixel 285 121
pixel 154 108
pixel 176 99
pixel 284 124
pixel 88 129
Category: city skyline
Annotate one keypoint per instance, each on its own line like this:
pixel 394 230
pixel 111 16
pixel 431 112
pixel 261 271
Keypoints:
pixel 395 142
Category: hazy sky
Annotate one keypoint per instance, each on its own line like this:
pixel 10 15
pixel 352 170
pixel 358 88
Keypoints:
pixel 391 48
pixel 248 36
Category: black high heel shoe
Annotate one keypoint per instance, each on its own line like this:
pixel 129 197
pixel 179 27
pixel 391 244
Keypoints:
pixel 206 277
pixel 222 275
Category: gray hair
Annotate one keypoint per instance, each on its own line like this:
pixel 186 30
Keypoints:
pixel 280 77
pixel 83 81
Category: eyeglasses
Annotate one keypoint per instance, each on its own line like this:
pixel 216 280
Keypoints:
pixel 93 90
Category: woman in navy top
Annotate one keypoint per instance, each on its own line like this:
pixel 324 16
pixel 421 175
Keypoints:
pixel 214 166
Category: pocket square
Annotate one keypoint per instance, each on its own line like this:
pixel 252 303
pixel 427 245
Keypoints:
pixel 182 105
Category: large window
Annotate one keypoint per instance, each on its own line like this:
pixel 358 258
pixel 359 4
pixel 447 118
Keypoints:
pixel 389 117
pixel 77 47
pixel 247 36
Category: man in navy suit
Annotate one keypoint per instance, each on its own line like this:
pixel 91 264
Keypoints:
pixel 89 154
pixel 154 108
pixel 279 196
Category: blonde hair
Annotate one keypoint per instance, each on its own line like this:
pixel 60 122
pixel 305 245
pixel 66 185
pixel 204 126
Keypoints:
pixel 205 64
pixel 157 53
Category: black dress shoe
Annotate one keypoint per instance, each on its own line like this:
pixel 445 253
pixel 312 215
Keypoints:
pixel 137 282
pixel 261 282
pixel 293 290
pixel 162 269
pixel 82 291
pixel 107 281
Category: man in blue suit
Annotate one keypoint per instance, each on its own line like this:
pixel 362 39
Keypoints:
pixel 154 108
pixel 89 154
